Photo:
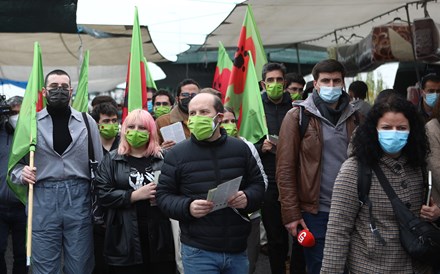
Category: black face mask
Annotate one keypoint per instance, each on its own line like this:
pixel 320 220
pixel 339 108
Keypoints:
pixel 183 104
pixel 58 98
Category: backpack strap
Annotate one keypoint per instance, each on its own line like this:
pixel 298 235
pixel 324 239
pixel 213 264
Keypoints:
pixel 304 121
pixel 91 151
pixel 364 184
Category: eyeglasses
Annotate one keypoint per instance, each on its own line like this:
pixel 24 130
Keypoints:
pixel 161 104
pixel 294 89
pixel 187 95
pixel 271 80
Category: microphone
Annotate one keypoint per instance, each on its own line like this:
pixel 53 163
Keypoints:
pixel 306 238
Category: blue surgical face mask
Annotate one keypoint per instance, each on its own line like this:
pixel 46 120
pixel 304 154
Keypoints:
pixel 330 94
pixel 150 106
pixel 392 141
pixel 431 99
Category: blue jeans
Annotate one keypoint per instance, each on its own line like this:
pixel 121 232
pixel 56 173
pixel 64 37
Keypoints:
pixel 317 224
pixel 196 261
pixel 13 219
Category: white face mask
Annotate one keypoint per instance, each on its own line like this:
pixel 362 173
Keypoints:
pixel 13 120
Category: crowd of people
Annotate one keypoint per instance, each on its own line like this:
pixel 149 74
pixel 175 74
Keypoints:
pixel 155 204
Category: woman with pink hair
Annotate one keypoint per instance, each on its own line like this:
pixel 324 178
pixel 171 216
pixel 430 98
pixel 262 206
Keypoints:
pixel 138 236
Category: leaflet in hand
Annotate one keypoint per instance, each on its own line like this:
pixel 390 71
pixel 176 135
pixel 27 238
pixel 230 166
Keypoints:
pixel 173 132
pixel 221 194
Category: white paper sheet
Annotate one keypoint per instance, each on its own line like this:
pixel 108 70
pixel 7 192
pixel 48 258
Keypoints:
pixel 221 194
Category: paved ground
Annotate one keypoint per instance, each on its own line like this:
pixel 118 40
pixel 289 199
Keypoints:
pixel 262 264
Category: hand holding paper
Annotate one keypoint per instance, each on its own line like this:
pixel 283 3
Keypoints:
pixel 239 200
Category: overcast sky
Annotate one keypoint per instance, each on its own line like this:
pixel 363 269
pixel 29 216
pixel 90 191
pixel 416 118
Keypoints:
pixel 173 24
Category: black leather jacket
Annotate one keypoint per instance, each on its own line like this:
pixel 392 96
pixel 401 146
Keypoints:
pixel 122 243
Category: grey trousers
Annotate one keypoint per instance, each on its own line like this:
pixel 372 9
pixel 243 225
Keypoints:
pixel 62 222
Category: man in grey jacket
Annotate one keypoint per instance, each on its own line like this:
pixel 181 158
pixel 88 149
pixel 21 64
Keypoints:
pixel 62 219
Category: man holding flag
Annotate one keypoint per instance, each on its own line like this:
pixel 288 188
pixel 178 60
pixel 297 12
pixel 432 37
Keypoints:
pixel 61 177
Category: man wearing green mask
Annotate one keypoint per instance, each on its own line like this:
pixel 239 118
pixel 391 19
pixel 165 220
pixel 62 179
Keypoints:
pixel 106 116
pixel 193 167
pixel 295 85
pixel 162 103
pixel 186 90
pixel 276 104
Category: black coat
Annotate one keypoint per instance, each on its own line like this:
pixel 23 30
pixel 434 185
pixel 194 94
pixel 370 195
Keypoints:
pixel 122 243
pixel 193 167
pixel 274 117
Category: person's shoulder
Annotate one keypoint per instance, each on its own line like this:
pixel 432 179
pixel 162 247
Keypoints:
pixel 163 120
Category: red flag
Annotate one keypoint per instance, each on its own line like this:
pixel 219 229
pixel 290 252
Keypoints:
pixel 136 86
pixel 249 40
pixel 222 71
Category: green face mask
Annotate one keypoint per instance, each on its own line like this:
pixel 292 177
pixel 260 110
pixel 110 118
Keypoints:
pixel 295 96
pixel 108 131
pixel 161 110
pixel 137 138
pixel 202 127
pixel 275 90
pixel 231 129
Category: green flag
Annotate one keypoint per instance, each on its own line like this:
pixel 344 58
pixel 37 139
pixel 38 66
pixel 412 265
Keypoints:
pixel 136 87
pixel 253 119
pixel 222 71
pixel 25 135
pixel 81 101
pixel 150 80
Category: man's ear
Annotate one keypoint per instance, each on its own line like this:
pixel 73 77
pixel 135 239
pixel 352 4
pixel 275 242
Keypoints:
pixel 220 117
pixel 263 85
pixel 44 92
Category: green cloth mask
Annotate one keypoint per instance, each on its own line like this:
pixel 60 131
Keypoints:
pixel 136 138
pixel 275 90
pixel 202 127
pixel 108 131
pixel 161 110
pixel 231 129
pixel 295 96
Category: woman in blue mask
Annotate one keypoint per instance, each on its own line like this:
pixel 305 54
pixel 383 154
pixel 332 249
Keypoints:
pixel 392 137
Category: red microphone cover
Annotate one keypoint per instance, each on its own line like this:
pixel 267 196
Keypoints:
pixel 306 238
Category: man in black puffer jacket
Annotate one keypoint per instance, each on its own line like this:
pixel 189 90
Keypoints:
pixel 190 170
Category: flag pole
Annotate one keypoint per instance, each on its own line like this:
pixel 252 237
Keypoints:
pixel 30 213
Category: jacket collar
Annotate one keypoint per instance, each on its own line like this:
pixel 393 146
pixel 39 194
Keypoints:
pixel 176 115
pixel 73 113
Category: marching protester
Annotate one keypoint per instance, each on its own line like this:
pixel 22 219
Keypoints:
pixel 138 236
pixel 62 222
pixel 392 138
pixel 193 167
pixel 12 211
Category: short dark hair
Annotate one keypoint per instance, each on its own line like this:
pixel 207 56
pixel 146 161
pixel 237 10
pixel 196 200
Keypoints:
pixel 293 77
pixel 103 99
pixel 430 77
pixel 268 67
pixel 56 72
pixel 384 94
pixel 151 89
pixel 163 92
pixel 359 89
pixel 229 109
pixel 103 108
pixel 329 65
pixel 184 83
